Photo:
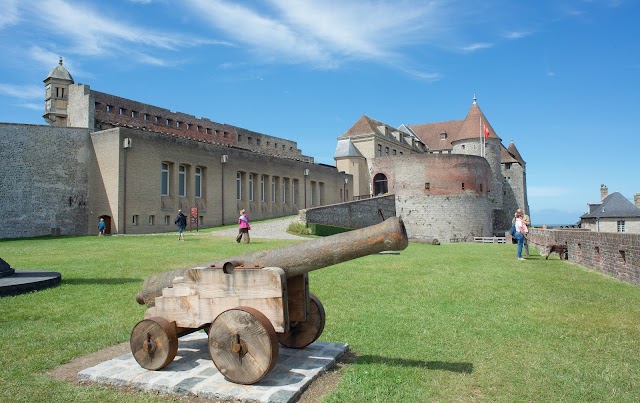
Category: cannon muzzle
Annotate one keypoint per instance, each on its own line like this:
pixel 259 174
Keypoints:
pixel 300 258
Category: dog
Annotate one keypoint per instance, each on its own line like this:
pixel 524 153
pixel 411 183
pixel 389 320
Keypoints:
pixel 561 250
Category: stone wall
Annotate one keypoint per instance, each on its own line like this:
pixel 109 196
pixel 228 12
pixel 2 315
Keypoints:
pixel 615 254
pixel 446 218
pixel 43 180
pixel 355 214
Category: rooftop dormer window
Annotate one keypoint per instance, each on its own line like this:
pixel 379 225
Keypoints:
pixel 443 136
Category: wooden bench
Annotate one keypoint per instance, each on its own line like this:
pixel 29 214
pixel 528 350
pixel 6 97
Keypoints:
pixel 490 239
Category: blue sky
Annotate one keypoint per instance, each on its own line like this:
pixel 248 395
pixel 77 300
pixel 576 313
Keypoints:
pixel 558 77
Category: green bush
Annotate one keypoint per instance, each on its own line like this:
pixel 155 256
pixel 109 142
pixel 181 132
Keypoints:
pixel 298 228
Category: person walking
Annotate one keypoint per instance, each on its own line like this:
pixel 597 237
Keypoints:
pixel 102 226
pixel 244 227
pixel 181 222
pixel 521 232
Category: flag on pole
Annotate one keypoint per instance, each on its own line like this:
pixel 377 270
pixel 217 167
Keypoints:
pixel 486 132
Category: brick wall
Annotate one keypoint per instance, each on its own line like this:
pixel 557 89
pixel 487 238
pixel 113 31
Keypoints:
pixel 43 180
pixel 615 254
pixel 355 214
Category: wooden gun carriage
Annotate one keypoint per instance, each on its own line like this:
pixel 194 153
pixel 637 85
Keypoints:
pixel 249 304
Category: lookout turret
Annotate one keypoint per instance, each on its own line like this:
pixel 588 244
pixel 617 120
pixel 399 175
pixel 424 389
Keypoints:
pixel 57 95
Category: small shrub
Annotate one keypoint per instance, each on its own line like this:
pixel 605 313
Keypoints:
pixel 298 228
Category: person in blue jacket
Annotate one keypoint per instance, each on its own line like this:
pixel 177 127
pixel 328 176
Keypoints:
pixel 102 226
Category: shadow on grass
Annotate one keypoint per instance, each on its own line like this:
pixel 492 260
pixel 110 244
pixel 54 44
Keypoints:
pixel 459 367
pixel 99 281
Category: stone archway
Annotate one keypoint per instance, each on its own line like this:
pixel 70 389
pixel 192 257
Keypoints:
pixel 380 185
pixel 107 221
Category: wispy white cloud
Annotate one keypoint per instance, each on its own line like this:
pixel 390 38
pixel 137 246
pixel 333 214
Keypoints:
pixel 476 46
pixel 22 91
pixel 325 33
pixel 516 34
pixel 9 15
pixel 84 30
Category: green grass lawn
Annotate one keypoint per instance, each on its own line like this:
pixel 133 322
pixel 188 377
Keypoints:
pixel 455 322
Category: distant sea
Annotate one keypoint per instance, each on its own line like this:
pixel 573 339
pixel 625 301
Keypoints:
pixel 555 225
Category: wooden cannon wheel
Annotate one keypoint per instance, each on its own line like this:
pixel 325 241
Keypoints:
pixel 154 343
pixel 301 334
pixel 243 345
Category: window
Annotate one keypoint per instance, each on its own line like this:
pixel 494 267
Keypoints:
pixel 621 226
pixel 284 191
pixel 134 220
pixel 156 119
pixel 273 189
pixel 145 117
pixel 386 151
pixel 238 186
pixel 262 195
pixel 121 111
pixel 250 187
pixel 198 183
pixel 134 114
pixel 182 181
pixel 379 150
pixel 152 219
pixel 164 179
pixel 109 108
pixel 167 220
pixel 294 185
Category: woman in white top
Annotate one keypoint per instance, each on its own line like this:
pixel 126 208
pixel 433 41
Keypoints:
pixel 521 231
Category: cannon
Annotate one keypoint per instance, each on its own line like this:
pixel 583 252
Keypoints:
pixel 249 304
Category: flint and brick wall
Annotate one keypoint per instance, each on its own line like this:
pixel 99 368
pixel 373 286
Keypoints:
pixel 43 180
pixel 615 254
pixel 355 214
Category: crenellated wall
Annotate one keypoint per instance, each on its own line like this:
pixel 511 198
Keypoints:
pixel 612 253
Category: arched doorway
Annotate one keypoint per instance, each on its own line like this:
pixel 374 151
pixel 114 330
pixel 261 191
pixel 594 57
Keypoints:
pixel 107 221
pixel 380 184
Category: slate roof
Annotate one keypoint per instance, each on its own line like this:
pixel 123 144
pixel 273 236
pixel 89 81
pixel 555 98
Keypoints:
pixel 59 72
pixel 345 148
pixel 613 206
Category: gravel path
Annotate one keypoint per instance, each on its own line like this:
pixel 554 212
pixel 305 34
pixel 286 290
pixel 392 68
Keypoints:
pixel 276 228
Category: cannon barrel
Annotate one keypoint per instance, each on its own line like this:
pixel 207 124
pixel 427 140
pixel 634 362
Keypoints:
pixel 300 258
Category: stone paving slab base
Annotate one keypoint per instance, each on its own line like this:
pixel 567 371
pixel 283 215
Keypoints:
pixel 193 373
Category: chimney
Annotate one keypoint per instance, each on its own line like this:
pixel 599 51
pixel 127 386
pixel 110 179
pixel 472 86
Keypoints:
pixel 636 199
pixel 604 192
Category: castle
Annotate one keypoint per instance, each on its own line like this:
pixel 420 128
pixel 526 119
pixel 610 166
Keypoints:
pixel 452 180
pixel 135 165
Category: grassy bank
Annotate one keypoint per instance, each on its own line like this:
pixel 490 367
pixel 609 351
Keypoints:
pixel 435 323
